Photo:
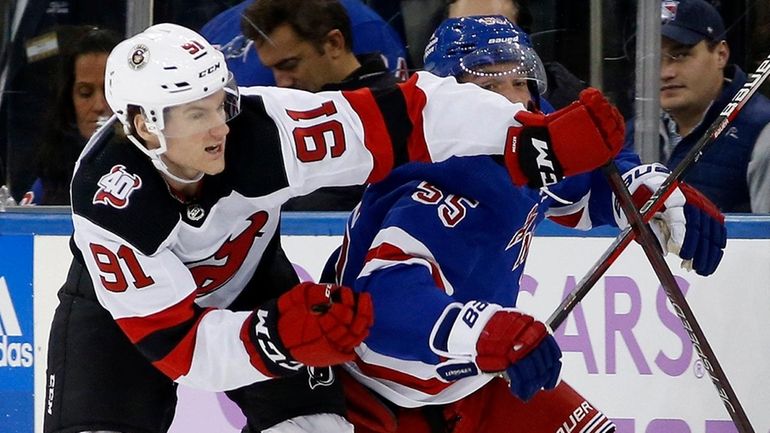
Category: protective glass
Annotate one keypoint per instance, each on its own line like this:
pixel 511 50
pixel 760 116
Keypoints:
pixel 196 117
pixel 507 59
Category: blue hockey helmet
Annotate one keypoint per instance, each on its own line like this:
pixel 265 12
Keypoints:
pixel 469 45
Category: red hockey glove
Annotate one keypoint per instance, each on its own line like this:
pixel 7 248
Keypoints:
pixel 524 348
pixel 507 337
pixel 312 324
pixel 480 336
pixel 576 139
pixel 688 224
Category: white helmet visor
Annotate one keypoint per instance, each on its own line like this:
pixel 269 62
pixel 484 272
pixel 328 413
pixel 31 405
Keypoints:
pixel 505 59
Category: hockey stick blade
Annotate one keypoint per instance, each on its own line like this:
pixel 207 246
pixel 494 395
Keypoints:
pixel 650 246
pixel 753 83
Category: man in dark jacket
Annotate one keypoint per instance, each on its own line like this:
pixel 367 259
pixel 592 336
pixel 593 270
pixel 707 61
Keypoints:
pixel 696 85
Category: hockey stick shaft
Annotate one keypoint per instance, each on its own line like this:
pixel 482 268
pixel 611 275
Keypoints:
pixel 650 246
pixel 753 83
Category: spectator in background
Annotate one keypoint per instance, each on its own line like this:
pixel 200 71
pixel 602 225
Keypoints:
pixel 696 84
pixel 307 44
pixel 80 108
pixel 515 10
pixel 563 86
pixel 44 30
pixel 370 34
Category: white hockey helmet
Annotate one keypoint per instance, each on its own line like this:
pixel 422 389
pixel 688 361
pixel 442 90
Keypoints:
pixel 164 66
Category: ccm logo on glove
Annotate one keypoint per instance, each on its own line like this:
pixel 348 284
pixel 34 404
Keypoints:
pixel 576 139
pixel 315 325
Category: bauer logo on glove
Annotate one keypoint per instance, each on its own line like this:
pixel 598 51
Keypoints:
pixel 688 225
pixel 498 340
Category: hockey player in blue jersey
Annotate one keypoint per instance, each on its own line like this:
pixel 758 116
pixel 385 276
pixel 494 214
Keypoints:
pixel 441 249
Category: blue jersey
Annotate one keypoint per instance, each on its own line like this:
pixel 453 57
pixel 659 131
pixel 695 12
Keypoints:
pixel 433 235
pixel 371 34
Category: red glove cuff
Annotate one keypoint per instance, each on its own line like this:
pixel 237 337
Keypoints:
pixel 576 139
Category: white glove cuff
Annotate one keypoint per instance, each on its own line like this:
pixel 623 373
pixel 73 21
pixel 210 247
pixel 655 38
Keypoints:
pixel 649 175
pixel 465 329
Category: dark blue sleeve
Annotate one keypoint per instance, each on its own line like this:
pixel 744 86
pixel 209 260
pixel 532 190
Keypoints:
pixel 402 282
pixel 600 204
pixel 629 141
pixel 34 195
pixel 595 187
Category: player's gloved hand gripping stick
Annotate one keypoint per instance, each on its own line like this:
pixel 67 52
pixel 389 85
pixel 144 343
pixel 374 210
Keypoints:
pixel 652 206
pixel 689 224
pixel 649 243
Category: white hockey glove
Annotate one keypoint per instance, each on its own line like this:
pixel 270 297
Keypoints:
pixel 668 225
pixel 318 423
pixel 688 225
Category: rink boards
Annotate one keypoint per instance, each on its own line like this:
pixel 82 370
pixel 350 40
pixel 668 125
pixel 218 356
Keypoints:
pixel 624 347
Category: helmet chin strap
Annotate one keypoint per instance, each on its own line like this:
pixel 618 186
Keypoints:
pixel 155 154
pixel 161 166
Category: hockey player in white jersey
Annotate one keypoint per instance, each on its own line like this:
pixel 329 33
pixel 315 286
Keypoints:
pixel 178 275
pixel 441 249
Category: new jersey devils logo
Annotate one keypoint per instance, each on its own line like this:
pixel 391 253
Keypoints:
pixel 116 186
pixel 228 258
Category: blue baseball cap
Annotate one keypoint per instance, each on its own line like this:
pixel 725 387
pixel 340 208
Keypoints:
pixel 691 21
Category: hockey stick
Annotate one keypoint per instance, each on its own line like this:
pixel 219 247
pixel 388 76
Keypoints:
pixel 650 246
pixel 655 202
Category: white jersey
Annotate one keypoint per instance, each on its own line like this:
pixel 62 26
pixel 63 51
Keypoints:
pixel 168 269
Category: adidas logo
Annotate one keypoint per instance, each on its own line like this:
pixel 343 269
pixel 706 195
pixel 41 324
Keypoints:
pixel 12 354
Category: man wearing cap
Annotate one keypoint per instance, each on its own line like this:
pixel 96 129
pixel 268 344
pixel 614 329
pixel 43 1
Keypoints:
pixel 696 84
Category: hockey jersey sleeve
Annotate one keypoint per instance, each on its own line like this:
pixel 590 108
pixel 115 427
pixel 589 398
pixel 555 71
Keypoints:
pixel 588 197
pixel 349 138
